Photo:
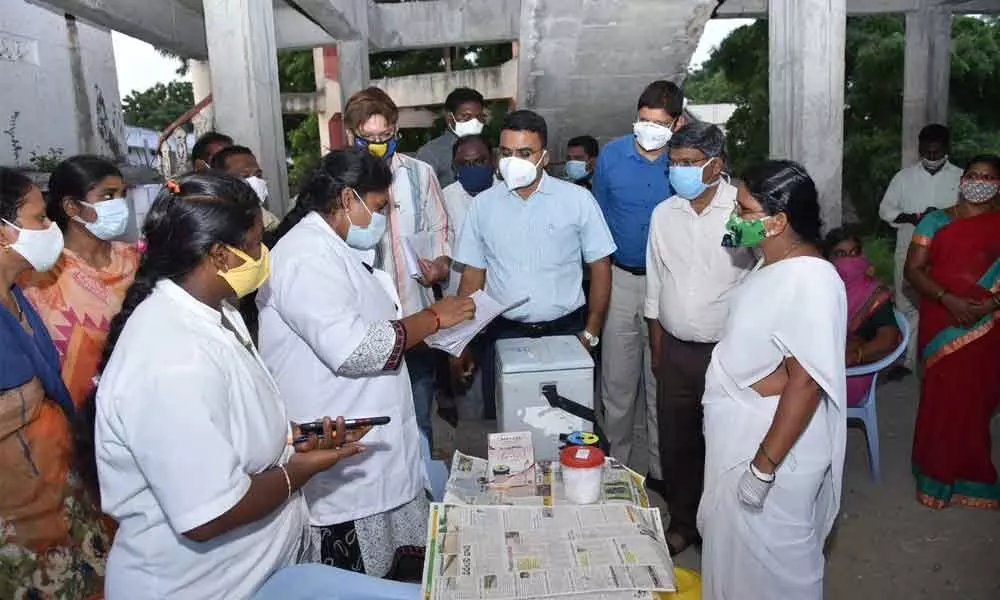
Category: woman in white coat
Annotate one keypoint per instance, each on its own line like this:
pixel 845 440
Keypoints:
pixel 192 440
pixel 775 422
pixel 331 332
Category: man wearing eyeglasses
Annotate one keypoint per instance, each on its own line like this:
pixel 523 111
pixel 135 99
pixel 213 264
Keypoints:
pixel 528 238
pixel 629 181
pixel 416 206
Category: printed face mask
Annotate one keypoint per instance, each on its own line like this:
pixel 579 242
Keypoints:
pixel 112 218
pixel 519 172
pixel 651 136
pixel 366 238
pixel 383 150
pixel 934 165
pixel 40 247
pixel 978 191
pixel 743 233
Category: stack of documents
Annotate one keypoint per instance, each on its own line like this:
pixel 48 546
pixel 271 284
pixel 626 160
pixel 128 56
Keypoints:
pixel 455 339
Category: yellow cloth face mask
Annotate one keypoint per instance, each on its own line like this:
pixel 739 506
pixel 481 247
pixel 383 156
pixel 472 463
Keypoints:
pixel 248 277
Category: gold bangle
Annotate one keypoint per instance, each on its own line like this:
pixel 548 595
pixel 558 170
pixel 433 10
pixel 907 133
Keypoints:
pixel 288 480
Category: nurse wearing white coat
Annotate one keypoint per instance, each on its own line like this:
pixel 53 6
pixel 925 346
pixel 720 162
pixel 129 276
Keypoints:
pixel 191 437
pixel 331 332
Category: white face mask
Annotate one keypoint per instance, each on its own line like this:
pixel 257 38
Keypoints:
pixel 40 247
pixel 112 218
pixel 470 127
pixel 519 172
pixel 651 136
pixel 934 165
pixel 259 187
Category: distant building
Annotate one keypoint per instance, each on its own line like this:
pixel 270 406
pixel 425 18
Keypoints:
pixel 142 142
pixel 716 114
pixel 60 87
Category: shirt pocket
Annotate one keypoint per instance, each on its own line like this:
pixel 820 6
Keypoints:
pixel 560 245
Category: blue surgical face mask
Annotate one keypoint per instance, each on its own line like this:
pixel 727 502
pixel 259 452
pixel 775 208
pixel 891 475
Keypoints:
pixel 365 238
pixel 576 169
pixel 475 178
pixel 688 182
pixel 112 218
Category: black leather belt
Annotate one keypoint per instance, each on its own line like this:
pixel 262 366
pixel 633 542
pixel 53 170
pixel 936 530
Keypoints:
pixel 637 271
pixel 545 327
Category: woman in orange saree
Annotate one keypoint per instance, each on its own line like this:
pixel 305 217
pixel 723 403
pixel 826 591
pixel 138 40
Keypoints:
pixel 52 543
pixel 954 262
pixel 79 296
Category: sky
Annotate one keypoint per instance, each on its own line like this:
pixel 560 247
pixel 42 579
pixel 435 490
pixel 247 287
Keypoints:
pixel 140 67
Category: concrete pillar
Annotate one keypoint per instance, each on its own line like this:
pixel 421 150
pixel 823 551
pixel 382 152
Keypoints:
pixel 245 85
pixel 340 71
pixel 807 45
pixel 201 83
pixel 926 75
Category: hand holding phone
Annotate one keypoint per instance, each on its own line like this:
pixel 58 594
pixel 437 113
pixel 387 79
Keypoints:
pixel 355 428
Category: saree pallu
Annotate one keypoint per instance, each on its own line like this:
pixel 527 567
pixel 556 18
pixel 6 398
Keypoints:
pixel 961 389
pixel 76 303
pixel 858 386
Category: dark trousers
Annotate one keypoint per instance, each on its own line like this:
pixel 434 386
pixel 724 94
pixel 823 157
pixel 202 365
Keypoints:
pixel 502 329
pixel 680 384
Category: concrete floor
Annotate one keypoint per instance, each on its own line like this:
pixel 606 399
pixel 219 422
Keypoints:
pixel 886 545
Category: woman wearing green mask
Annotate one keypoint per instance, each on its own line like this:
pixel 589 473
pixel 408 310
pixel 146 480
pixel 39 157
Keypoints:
pixel 774 401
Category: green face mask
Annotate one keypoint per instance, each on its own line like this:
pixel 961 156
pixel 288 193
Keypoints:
pixel 744 233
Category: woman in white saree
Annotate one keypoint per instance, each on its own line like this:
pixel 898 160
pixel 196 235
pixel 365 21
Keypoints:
pixel 774 402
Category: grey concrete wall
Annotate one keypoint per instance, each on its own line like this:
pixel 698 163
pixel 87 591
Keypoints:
pixel 583 63
pixel 41 66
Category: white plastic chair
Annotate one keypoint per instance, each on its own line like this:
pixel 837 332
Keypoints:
pixel 866 410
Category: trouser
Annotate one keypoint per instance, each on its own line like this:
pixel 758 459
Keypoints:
pixel 907 299
pixel 502 329
pixel 421 363
pixel 628 388
pixel 681 378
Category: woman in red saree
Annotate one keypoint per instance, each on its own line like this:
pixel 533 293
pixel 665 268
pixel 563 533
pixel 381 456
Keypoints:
pixel 872 332
pixel 954 262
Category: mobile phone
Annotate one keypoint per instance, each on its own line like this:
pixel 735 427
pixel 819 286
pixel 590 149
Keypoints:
pixel 316 427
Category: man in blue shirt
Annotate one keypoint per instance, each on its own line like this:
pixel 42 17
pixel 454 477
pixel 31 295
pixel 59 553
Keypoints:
pixel 630 180
pixel 529 237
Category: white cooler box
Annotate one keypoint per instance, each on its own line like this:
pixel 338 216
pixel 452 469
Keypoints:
pixel 524 367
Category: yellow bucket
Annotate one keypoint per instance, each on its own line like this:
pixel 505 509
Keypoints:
pixel 688 585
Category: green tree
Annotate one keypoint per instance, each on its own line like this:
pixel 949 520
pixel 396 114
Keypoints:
pixel 738 72
pixel 158 106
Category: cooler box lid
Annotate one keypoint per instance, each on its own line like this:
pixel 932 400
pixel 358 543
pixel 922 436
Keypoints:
pixel 526 355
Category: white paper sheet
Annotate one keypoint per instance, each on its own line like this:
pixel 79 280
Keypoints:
pixel 455 339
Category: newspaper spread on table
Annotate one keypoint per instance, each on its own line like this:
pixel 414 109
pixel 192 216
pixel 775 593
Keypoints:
pixel 522 552
pixel 520 538
pixel 540 484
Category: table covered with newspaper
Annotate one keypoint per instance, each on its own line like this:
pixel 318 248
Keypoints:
pixel 520 538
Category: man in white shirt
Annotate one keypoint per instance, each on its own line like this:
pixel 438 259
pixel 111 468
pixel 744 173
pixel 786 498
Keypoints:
pixel 474 167
pixel 689 279
pixel 416 207
pixel 913 192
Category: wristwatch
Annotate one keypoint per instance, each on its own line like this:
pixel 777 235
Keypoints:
pixel 592 340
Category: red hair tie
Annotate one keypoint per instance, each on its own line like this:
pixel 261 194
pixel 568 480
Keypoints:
pixel 173 186
pixel 141 245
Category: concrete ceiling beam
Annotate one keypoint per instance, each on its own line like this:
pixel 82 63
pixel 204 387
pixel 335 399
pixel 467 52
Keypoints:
pixel 333 18
pixel 440 23
pixel 751 9
pixel 169 25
